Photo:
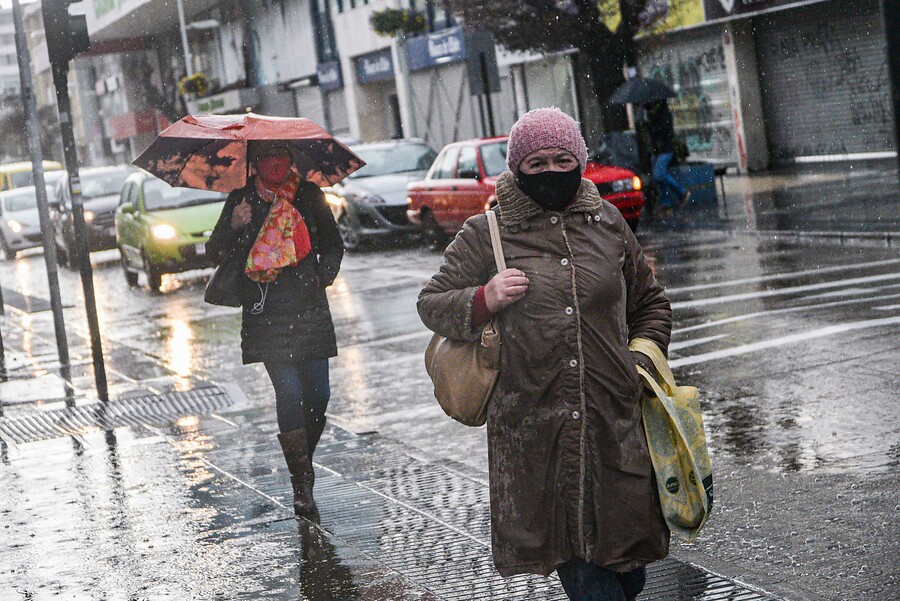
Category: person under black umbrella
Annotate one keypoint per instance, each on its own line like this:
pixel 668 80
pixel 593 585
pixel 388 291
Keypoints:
pixel 661 130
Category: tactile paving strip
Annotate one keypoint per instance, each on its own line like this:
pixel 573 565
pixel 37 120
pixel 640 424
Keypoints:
pixel 154 410
pixel 431 522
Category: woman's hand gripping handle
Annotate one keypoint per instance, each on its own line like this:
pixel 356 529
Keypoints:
pixel 505 288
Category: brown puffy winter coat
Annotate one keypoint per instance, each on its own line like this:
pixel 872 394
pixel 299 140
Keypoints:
pixel 570 474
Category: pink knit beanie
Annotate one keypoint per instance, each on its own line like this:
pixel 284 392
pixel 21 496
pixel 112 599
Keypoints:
pixel 544 128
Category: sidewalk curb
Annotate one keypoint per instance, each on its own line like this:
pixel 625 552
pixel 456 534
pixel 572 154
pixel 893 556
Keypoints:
pixel 879 239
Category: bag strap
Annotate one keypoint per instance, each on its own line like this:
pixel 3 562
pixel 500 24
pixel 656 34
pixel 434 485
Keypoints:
pixel 495 240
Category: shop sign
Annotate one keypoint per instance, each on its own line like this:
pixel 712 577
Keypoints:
pixel 103 7
pixel 721 9
pixel 232 101
pixel 329 74
pixel 375 66
pixel 661 15
pixel 448 46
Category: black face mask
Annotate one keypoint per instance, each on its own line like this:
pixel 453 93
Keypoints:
pixel 552 190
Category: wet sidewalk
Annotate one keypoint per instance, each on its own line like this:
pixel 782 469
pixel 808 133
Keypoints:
pixel 840 203
pixel 182 495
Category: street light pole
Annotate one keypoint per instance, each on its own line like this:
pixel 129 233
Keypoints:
pixel 37 165
pixel 67 36
pixel 182 24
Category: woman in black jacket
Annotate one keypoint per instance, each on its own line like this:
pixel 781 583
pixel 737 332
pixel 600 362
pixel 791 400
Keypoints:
pixel 286 323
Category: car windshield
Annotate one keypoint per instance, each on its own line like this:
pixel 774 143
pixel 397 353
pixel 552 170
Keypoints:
pixel 26 178
pixel 384 160
pixel 494 158
pixel 51 178
pixel 22 200
pixel 22 179
pixel 159 196
pixel 95 185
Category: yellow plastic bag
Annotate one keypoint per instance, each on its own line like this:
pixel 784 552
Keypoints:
pixel 677 441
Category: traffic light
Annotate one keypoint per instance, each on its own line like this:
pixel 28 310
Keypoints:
pixel 66 34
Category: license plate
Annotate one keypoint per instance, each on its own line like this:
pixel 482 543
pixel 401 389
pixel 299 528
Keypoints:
pixel 200 249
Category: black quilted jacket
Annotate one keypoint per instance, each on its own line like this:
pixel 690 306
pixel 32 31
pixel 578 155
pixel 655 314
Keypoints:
pixel 295 322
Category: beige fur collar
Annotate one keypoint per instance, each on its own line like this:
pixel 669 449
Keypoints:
pixel 516 207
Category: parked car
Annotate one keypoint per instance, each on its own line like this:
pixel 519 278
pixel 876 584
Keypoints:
pixel 100 190
pixel 462 182
pixel 371 202
pixel 18 175
pixel 161 229
pixel 20 226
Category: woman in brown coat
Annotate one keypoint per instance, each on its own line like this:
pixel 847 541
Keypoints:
pixel 572 486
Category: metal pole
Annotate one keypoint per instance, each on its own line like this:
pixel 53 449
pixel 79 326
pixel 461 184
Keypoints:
pixel 34 146
pixel 404 89
pixel 486 83
pixel 890 10
pixel 61 81
pixel 182 24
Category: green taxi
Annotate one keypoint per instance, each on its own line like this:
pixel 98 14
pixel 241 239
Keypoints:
pixel 161 229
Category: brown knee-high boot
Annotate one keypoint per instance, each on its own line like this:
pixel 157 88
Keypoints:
pixel 299 463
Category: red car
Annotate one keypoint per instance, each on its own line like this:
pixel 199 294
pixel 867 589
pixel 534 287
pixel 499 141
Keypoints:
pixel 461 183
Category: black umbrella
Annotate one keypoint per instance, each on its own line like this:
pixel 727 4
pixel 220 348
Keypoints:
pixel 639 90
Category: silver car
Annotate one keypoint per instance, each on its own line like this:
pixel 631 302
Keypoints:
pixel 371 203
pixel 20 226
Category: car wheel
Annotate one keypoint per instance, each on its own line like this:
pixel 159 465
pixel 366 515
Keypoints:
pixel 7 251
pixel 154 276
pixel 130 276
pixel 62 257
pixel 350 235
pixel 70 257
pixel 633 224
pixel 435 237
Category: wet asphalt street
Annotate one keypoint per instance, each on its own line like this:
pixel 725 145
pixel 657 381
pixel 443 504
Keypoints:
pixel 791 339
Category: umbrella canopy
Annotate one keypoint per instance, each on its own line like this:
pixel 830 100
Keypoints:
pixel 211 152
pixel 639 90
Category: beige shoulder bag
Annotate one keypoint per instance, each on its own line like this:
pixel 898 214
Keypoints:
pixel 464 373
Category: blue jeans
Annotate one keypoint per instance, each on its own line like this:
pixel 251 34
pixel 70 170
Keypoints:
pixel 664 179
pixel 302 391
pixel 585 581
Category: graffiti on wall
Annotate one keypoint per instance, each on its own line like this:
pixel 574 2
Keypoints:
pixel 701 107
pixel 842 76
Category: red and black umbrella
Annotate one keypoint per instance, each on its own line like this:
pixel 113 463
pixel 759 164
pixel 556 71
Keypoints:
pixel 211 152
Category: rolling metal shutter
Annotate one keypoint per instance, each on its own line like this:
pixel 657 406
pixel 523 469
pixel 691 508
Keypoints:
pixel 823 75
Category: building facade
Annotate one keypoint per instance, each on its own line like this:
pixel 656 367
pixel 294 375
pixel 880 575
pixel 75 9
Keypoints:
pixel 755 80
pixel 767 82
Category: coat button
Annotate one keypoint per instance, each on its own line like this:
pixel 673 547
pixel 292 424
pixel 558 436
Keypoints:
pixel 554 220
pixel 573 363
pixel 564 262
pixel 569 310
pixel 597 217
pixel 575 415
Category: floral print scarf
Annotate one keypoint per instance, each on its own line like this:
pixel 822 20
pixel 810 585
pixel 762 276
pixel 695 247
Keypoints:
pixel 283 240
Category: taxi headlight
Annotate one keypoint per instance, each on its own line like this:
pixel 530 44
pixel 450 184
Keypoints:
pixel 14 225
pixel 88 215
pixel 163 231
